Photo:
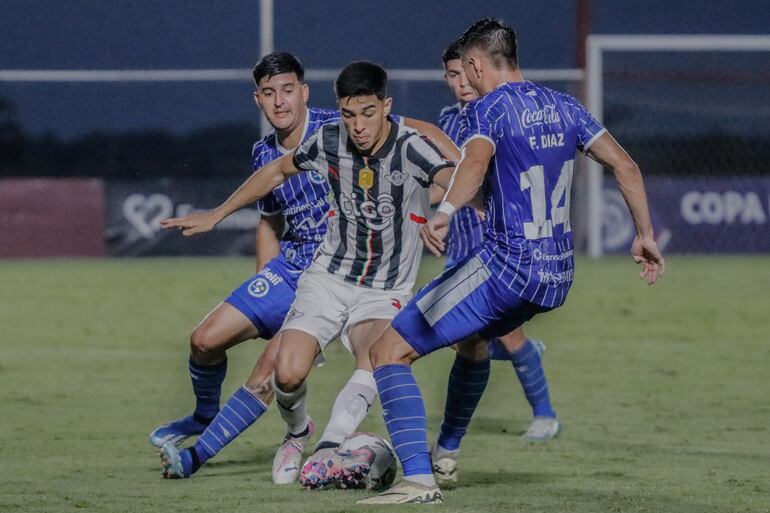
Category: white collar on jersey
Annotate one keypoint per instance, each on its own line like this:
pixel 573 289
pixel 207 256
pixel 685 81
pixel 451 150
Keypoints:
pixel 283 150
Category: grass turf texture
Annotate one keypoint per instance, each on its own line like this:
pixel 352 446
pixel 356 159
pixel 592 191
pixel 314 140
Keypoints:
pixel 663 392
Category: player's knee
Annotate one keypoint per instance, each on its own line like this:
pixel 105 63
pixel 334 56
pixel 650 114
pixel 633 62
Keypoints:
pixel 204 344
pixel 390 349
pixel 474 348
pixel 288 378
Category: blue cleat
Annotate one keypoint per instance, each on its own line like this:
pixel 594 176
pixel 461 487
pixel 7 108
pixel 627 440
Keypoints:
pixel 175 464
pixel 177 431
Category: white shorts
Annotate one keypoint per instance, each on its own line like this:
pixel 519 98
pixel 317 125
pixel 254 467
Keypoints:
pixel 327 307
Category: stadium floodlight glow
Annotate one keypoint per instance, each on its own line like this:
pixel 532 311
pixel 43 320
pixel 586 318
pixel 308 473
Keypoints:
pixel 596 46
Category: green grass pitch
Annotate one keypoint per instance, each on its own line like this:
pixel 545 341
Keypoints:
pixel 664 393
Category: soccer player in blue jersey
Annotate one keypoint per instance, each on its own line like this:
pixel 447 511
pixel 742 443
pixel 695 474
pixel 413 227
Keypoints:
pixel 466 231
pixel 519 151
pixel 257 307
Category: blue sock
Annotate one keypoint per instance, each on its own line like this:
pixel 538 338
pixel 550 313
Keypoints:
pixel 207 385
pixel 404 414
pixel 467 382
pixel 497 351
pixel 528 363
pixel 239 412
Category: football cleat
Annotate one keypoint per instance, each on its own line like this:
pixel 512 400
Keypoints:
pixel 289 456
pixel 542 429
pixel 172 462
pixel 177 431
pixel 445 472
pixel 407 492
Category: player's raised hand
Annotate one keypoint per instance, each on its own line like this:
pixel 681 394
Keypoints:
pixel 434 232
pixel 199 222
pixel 644 251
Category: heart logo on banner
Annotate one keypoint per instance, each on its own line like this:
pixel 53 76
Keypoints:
pixel 145 212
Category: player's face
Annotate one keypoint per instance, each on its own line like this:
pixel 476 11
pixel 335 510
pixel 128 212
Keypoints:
pixel 282 98
pixel 366 120
pixel 454 74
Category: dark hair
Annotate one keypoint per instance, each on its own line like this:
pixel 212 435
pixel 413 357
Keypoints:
pixel 494 37
pixel 362 78
pixel 277 63
pixel 452 52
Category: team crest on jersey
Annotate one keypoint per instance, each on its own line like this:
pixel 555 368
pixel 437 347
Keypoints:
pixel 396 177
pixel 316 177
pixel 259 287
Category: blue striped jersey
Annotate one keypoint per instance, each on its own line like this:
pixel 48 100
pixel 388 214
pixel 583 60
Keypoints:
pixel 466 231
pixel 302 199
pixel 535 132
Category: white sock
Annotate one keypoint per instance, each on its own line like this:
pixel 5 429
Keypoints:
pixel 439 453
pixel 423 479
pixel 292 407
pixel 350 407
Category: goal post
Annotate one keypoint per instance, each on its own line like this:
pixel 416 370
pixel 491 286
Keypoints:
pixel 597 46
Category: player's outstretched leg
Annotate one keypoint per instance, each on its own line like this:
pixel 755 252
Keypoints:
pixel 322 469
pixel 222 328
pixel 404 414
pixel 527 358
pixel 295 359
pixel 243 408
pixel 467 382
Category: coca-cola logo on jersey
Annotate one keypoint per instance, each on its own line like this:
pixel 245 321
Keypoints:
pixel 547 115
pixel 377 213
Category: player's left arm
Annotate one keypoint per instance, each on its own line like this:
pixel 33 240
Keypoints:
pixel 462 187
pixel 628 176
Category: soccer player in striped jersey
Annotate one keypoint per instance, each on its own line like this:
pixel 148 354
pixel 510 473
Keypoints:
pixel 519 150
pixel 379 171
pixel 466 231
pixel 258 306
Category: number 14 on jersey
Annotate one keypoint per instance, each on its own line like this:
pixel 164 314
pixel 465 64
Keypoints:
pixel 534 180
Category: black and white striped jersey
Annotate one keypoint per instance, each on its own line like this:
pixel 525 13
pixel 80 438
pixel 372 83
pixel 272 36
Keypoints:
pixel 378 204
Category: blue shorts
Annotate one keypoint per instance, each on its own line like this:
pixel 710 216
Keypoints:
pixel 265 298
pixel 462 301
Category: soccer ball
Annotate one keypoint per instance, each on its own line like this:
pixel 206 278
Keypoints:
pixel 369 462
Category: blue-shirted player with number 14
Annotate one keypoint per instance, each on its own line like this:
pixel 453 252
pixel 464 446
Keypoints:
pixel 466 231
pixel 519 150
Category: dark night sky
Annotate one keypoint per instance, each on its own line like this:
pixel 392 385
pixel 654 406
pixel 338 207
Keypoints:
pixel 44 34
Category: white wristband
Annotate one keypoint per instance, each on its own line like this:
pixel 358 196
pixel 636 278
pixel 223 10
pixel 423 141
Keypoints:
pixel 446 208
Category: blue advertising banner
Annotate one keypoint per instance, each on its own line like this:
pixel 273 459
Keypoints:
pixel 134 211
pixel 696 215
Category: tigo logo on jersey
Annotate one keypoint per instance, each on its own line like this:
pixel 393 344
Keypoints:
pixel 259 287
pixel 377 213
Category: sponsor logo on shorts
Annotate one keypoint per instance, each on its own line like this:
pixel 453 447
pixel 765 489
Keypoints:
pixel 396 303
pixel 259 287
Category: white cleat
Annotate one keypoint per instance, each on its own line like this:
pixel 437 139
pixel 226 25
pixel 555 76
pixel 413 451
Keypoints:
pixel 407 492
pixel 445 472
pixel 286 464
pixel 542 429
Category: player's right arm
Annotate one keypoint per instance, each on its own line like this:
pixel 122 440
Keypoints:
pixel 258 185
pixel 628 176
pixel 462 187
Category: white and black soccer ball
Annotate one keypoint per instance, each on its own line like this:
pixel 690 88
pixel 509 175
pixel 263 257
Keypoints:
pixel 373 459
